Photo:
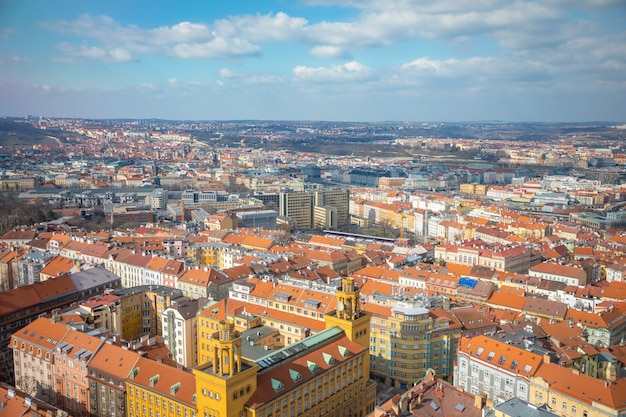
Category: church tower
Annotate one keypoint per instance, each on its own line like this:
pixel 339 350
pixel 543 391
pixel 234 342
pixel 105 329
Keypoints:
pixel 225 383
pixel 348 315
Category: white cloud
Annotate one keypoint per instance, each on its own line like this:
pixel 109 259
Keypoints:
pixel 95 52
pixel 228 73
pixel 328 51
pixel 352 71
pixel 217 47
pixel 248 78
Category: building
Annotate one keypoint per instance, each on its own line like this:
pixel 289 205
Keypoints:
pixel 205 283
pixel 431 397
pixel 28 266
pixel 142 308
pixel 494 368
pixel 20 306
pixel 408 339
pixel 607 328
pixel 326 374
pixel 180 330
pixel 154 388
pixel 157 199
pixel 71 356
pixel 570 275
pixel 335 202
pixel 107 372
pixel 33 357
pixel 15 403
pixel 263 219
pixel 102 312
pixel 297 206
pixel 516 407
pixel 325 208
pixel 577 395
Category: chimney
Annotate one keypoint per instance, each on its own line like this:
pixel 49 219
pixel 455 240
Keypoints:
pixel 479 401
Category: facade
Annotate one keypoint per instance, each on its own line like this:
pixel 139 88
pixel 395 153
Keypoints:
pixel 204 283
pixel 264 219
pixel 408 340
pixel 180 330
pixel 326 374
pixel 141 309
pixel 157 200
pixel 576 395
pixel 155 389
pixel 325 208
pixel 495 369
pixel 71 356
pixel 33 358
pixel 28 267
pixel 107 372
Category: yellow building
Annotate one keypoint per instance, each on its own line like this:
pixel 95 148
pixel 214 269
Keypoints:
pixel 141 309
pixel 158 390
pixel 570 394
pixel 409 339
pixel 326 374
pixel 206 253
pixel 467 188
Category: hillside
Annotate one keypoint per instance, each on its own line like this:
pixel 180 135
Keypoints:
pixel 16 133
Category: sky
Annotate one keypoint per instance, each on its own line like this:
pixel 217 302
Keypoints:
pixel 336 60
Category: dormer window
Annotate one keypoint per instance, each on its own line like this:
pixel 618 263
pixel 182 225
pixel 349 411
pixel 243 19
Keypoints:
pixel 277 385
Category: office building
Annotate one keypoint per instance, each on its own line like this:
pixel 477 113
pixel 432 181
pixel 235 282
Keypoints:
pixel 326 374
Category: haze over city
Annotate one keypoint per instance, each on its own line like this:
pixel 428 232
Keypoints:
pixel 367 60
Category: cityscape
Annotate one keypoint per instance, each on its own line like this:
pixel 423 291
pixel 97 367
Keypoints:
pixel 316 208
pixel 260 268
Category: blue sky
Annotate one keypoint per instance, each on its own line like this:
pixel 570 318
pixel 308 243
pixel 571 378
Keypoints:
pixel 351 60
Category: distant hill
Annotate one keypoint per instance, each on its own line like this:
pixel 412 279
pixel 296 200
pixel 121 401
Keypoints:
pixel 20 133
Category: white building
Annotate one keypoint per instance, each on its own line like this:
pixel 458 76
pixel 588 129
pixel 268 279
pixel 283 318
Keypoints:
pixel 180 330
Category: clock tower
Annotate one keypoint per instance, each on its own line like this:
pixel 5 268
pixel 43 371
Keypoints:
pixel 224 385
pixel 348 315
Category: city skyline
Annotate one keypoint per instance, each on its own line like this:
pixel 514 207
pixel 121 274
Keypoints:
pixel 345 60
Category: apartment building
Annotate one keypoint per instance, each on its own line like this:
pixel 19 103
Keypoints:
pixel 408 339
pixel 107 373
pixel 71 356
pixel 33 358
pixel 494 368
pixel 142 308
pixel 180 330
pixel 155 389
pixel 569 274
pixel 204 282
pixel 571 394
pixel 44 297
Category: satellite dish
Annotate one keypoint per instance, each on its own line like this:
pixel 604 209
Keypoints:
pixel 340 306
